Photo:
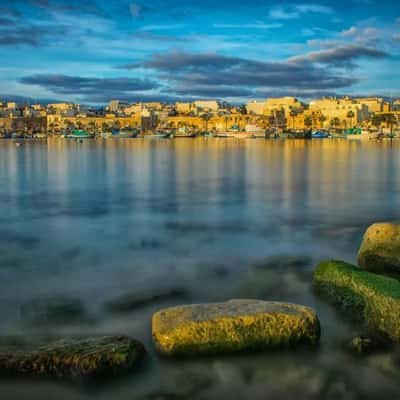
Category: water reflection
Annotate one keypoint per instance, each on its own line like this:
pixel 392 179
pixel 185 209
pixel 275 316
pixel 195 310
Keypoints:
pixel 99 219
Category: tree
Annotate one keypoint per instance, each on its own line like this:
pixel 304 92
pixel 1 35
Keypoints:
pixel 335 122
pixel 293 114
pixel 351 115
pixel 390 120
pixel 308 121
pixel 206 117
pixel 322 119
pixel 105 127
pixel 376 121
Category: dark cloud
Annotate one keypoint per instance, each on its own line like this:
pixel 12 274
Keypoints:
pixel 342 56
pixel 212 91
pixel 6 21
pixel 73 6
pixel 90 87
pixel 207 70
pixel 29 35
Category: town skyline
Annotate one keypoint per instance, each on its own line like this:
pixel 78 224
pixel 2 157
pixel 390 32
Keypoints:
pixel 92 51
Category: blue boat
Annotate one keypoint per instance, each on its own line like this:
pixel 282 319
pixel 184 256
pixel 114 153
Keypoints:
pixel 319 135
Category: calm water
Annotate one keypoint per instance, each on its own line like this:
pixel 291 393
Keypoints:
pixel 97 220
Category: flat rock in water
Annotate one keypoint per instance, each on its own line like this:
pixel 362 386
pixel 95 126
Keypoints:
pixel 233 326
pixel 84 358
pixel 53 309
pixel 373 298
pixel 380 248
pixel 131 301
pixel 284 262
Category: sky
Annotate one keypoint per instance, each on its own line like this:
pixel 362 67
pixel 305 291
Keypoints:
pixel 91 51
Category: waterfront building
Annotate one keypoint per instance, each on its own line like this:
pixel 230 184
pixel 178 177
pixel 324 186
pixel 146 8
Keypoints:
pixel 340 113
pixel 256 107
pixel 207 105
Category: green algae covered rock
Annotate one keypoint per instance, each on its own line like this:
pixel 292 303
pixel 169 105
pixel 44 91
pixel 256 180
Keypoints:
pixel 90 358
pixel 375 299
pixel 233 326
pixel 380 248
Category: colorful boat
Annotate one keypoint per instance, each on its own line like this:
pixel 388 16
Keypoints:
pixel 320 135
pixel 79 134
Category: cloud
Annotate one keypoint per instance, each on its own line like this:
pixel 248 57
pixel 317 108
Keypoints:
pixel 6 22
pixel 88 87
pixel 296 11
pixel 29 35
pixel 137 10
pixel 248 26
pixel 215 75
pixel 352 31
pixel 212 91
pixel 341 56
pixel 161 27
pixel 152 37
pixel 90 7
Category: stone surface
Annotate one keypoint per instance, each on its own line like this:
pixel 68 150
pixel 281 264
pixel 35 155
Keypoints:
pixel 131 301
pixel 85 358
pixel 233 326
pixel 380 248
pixel 373 298
pixel 365 344
pixel 53 309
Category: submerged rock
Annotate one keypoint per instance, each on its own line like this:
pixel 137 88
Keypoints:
pixel 375 299
pixel 366 344
pixel 233 326
pixel 131 301
pixel 284 262
pixel 53 309
pixel 380 249
pixel 89 358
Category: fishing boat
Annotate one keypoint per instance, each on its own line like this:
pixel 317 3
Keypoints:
pixel 358 134
pixel 79 134
pixel 184 133
pixel 236 135
pixel 320 135
pixel 209 135
pixel 160 135
pixel 338 136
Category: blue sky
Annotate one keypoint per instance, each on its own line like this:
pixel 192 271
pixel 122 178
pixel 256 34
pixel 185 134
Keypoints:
pixel 90 51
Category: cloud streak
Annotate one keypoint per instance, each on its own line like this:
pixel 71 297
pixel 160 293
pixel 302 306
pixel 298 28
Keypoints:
pixel 341 56
pixel 89 87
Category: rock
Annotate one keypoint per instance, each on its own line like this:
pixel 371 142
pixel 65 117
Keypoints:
pixel 131 301
pixel 233 326
pixel 88 358
pixel 53 309
pixel 380 248
pixel 374 299
pixel 284 262
pixel 365 344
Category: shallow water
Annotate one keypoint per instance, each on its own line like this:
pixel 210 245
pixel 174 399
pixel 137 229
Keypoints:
pixel 99 219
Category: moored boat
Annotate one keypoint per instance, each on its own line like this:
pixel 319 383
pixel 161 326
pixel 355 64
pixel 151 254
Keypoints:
pixel 320 135
pixel 79 134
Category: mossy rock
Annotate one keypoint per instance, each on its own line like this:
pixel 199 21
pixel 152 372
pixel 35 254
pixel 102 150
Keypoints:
pixel 366 344
pixel 375 299
pixel 233 326
pixel 380 249
pixel 83 358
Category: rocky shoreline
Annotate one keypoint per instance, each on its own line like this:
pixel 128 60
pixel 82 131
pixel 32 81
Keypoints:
pixel 368 293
